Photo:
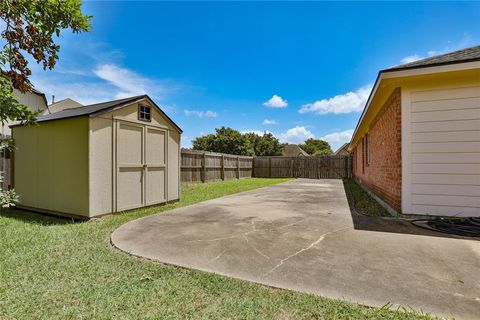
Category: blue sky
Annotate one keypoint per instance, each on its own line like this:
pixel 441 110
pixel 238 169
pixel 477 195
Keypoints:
pixel 298 70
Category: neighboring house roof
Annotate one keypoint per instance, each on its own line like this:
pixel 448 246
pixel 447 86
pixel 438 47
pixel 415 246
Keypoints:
pixel 99 108
pixel 40 94
pixel 62 105
pixel 342 148
pixel 464 55
pixel 293 150
pixel 467 58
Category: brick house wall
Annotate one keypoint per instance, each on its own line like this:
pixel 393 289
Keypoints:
pixel 380 170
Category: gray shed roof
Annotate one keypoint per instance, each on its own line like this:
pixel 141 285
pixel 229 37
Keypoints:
pixel 464 55
pixel 98 108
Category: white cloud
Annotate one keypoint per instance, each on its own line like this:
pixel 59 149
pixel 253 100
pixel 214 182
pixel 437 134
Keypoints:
pixel 128 82
pixel 276 102
pixel 411 58
pixel 102 83
pixel 269 121
pixel 465 41
pixel 83 92
pixel 342 103
pixel 337 139
pixel 296 135
pixel 201 114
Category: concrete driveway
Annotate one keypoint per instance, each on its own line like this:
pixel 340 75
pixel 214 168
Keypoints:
pixel 302 235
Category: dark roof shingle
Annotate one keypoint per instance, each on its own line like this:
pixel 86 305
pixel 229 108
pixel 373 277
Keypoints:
pixel 87 110
pixel 98 107
pixel 464 55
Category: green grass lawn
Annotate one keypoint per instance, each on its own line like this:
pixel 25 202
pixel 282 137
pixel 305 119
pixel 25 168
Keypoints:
pixel 56 268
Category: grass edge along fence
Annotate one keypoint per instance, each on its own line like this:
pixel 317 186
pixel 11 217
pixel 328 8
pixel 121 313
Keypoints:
pixel 205 166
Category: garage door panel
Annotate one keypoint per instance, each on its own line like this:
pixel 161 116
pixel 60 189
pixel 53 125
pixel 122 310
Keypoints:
pixel 447 115
pixel 462 168
pixel 446 179
pixel 129 188
pixel 450 157
pixel 155 185
pixel 459 125
pixel 447 136
pixel 448 104
pixel 445 210
pixel 446 189
pixel 444 147
pixel 446 94
pixel 444 200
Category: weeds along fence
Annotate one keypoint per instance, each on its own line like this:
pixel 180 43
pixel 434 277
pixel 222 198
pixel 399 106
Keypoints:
pixel 321 167
pixel 204 166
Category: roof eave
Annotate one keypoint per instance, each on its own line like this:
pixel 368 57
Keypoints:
pixel 135 101
pixel 397 73
pixel 111 108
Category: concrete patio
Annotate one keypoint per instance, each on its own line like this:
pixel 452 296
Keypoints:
pixel 302 235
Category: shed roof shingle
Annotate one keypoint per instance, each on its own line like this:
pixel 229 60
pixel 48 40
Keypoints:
pixel 99 107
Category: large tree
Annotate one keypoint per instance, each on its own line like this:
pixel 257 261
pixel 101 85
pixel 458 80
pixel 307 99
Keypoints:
pixel 316 147
pixel 225 140
pixel 228 140
pixel 265 145
pixel 29 30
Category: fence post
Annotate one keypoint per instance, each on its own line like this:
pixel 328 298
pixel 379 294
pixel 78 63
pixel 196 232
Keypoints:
pixel 238 167
pixel 292 168
pixel 204 167
pixel 269 167
pixel 345 174
pixel 223 167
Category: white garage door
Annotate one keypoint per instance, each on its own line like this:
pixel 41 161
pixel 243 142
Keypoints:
pixel 442 176
pixel 140 163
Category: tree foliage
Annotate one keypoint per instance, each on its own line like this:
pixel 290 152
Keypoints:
pixel 29 31
pixel 225 140
pixel 316 147
pixel 29 28
pixel 265 145
pixel 228 140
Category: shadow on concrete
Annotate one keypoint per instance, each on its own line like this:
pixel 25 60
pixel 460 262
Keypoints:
pixel 392 224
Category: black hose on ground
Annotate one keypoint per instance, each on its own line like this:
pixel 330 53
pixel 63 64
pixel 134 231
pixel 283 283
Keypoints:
pixel 465 227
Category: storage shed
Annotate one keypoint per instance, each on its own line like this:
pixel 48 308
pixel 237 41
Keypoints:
pixel 98 159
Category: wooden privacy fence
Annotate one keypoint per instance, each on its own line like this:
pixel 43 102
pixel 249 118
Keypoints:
pixel 321 167
pixel 204 166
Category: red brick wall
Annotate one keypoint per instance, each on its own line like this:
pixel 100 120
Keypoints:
pixel 383 175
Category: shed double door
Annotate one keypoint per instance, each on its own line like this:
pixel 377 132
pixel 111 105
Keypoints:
pixel 140 165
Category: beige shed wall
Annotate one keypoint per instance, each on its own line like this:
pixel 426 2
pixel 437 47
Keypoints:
pixel 173 166
pixel 102 155
pixel 130 113
pixel 101 170
pixel 51 166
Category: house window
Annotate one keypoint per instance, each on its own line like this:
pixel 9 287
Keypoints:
pixel 144 113
pixel 367 149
